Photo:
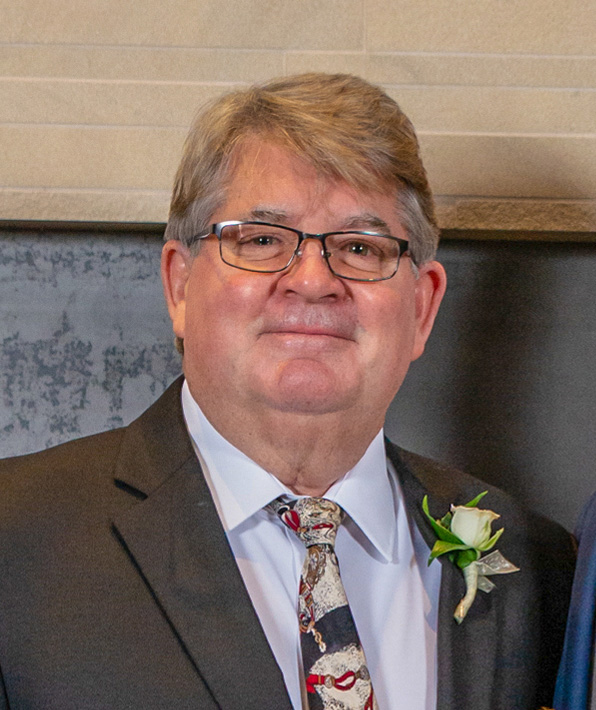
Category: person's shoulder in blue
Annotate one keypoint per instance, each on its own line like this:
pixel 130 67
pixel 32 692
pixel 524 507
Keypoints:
pixel 574 683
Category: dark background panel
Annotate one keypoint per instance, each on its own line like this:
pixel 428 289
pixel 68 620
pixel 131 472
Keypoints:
pixel 506 389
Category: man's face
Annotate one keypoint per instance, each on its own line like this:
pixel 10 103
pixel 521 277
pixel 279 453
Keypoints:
pixel 302 340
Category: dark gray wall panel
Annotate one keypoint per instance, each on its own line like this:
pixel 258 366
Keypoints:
pixel 507 387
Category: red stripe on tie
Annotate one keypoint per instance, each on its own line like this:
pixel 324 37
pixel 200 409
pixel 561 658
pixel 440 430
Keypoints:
pixel 313 680
pixel 346 681
pixel 292 519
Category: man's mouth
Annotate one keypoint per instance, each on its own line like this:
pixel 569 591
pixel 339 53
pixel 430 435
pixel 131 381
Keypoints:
pixel 310 331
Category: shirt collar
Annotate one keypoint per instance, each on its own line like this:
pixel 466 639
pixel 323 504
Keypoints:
pixel 240 487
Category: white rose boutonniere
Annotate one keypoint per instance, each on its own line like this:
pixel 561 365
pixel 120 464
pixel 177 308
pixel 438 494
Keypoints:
pixel 463 534
pixel 473 526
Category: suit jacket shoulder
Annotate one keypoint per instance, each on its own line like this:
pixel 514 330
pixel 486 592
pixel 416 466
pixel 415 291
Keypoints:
pixel 448 485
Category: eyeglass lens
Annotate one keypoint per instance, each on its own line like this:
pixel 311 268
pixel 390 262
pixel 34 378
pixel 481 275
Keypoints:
pixel 270 248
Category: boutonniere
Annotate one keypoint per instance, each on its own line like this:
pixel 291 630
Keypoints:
pixel 464 533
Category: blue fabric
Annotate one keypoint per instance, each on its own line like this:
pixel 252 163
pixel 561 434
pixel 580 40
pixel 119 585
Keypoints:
pixel 573 691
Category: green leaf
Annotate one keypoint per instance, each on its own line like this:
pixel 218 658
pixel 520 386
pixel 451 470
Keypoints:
pixel 441 532
pixel 466 557
pixel 425 508
pixel 491 542
pixel 446 520
pixel 474 502
pixel 441 547
pixel 448 536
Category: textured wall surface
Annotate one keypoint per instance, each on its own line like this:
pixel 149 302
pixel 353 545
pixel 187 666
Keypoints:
pixel 96 97
pixel 506 389
pixel 85 340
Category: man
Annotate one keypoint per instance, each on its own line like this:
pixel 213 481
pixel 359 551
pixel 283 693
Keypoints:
pixel 161 566
pixel 576 689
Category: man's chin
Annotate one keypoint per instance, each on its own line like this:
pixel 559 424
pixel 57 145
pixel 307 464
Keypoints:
pixel 310 387
pixel 309 406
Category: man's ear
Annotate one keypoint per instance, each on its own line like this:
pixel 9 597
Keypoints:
pixel 176 262
pixel 430 288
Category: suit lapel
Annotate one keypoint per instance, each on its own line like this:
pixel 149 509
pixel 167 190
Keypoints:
pixel 174 535
pixel 466 653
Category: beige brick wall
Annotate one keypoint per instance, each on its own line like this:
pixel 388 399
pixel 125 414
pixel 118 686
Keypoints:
pixel 96 96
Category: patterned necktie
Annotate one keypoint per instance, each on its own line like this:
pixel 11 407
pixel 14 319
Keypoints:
pixel 334 665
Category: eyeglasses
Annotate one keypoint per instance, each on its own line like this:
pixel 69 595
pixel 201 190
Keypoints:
pixel 269 248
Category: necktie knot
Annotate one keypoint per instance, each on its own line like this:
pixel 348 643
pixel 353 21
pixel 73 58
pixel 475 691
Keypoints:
pixel 314 520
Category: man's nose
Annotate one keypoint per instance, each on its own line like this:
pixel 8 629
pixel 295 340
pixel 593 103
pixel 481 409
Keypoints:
pixel 309 273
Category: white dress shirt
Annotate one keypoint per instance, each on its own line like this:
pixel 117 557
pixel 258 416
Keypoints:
pixel 392 592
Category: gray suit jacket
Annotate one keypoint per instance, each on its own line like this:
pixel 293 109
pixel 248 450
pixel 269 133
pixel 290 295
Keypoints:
pixel 118 589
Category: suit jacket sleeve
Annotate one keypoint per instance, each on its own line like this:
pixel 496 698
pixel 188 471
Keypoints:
pixel 575 673
pixel 3 699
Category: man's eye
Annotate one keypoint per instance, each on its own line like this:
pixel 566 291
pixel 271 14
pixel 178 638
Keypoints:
pixel 362 249
pixel 260 240
pixel 358 248
pixel 265 240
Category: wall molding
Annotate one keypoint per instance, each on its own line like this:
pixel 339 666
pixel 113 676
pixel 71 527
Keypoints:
pixel 42 227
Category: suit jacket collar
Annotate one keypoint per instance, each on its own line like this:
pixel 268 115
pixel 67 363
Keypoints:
pixel 173 534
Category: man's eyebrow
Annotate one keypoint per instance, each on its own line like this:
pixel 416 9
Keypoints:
pixel 367 222
pixel 360 222
pixel 266 214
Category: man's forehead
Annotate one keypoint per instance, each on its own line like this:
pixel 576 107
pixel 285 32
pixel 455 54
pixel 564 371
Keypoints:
pixel 267 182
pixel 256 155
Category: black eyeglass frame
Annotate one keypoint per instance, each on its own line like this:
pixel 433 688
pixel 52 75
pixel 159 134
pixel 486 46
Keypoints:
pixel 217 227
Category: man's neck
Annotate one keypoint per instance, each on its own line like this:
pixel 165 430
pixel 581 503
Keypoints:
pixel 307 453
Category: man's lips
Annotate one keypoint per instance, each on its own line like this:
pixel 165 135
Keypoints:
pixel 314 322
pixel 308 330
pixel 331 324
